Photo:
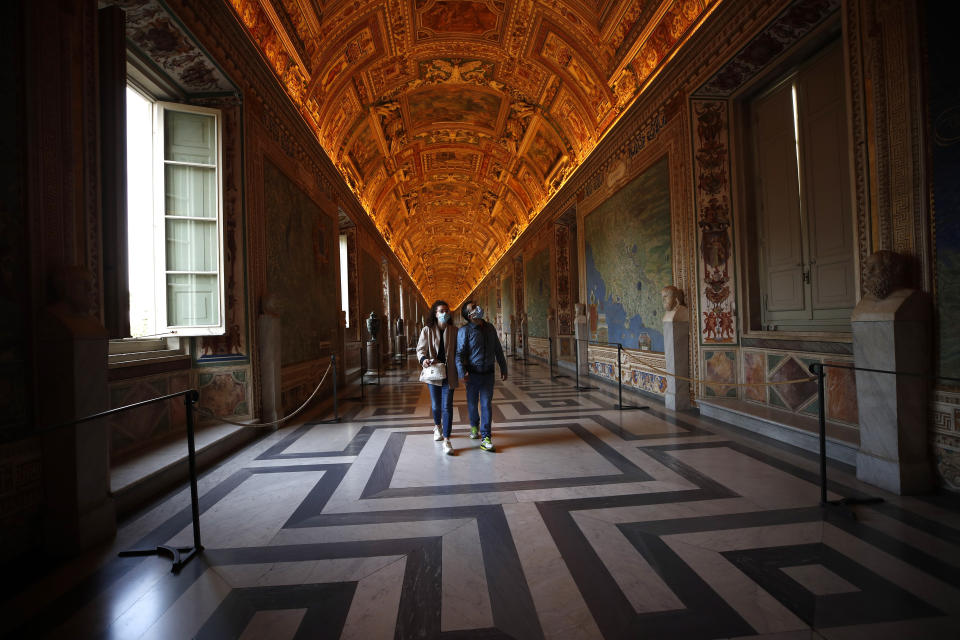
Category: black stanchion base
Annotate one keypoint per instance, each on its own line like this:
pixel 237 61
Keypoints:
pixel 582 388
pixel 628 407
pixel 329 420
pixel 559 375
pixel 844 506
pixel 179 555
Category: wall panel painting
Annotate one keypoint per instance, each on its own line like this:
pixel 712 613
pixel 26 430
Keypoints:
pixel 301 267
pixel 714 220
pixel 537 284
pixel 506 301
pixel 629 260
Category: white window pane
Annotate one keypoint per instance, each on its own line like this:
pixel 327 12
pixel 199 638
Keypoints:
pixel 192 300
pixel 189 137
pixel 191 191
pixel 191 245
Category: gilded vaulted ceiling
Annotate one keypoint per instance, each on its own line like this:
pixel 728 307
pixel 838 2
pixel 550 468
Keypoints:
pixel 454 121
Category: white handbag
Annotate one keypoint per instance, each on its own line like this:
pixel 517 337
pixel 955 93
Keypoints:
pixel 436 372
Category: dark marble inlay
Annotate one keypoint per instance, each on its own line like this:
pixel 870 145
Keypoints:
pixel 878 600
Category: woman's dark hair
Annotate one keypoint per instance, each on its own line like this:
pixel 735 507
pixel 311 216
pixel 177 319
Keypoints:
pixel 463 309
pixel 432 317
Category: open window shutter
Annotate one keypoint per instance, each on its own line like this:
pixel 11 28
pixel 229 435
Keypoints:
pixel 779 202
pixel 826 182
pixel 191 212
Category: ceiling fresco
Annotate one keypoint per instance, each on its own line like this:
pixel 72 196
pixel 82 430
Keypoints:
pixel 455 121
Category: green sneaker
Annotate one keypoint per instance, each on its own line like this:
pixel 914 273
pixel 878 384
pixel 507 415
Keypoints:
pixel 474 433
pixel 486 445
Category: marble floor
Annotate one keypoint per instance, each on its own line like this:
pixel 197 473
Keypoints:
pixel 587 522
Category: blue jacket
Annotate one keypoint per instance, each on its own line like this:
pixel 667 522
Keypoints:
pixel 478 348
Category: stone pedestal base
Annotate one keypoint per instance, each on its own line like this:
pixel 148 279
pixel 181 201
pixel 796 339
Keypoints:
pixel 893 334
pixel 373 356
pixel 676 344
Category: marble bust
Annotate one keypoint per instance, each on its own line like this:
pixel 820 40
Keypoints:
pixel 674 306
pixel 883 273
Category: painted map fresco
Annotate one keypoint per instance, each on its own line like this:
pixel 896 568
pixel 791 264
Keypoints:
pixel 628 255
pixel 537 281
pixel 299 244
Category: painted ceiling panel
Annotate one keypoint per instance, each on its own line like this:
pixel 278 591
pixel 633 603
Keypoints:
pixel 455 121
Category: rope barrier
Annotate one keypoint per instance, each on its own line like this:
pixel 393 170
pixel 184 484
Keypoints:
pixel 278 422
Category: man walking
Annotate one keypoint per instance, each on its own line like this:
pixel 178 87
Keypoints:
pixel 478 349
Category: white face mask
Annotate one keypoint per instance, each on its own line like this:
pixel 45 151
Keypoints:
pixel 442 317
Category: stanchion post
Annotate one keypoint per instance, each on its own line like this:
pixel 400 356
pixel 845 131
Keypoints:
pixel 817 369
pixel 619 378
pixel 189 399
pixel 333 368
pixel 576 348
pixel 550 355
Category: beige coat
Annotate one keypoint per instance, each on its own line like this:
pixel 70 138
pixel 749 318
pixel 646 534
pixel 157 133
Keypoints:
pixel 428 346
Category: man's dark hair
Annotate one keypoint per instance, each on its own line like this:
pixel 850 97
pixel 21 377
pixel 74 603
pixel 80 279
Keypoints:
pixel 432 317
pixel 463 309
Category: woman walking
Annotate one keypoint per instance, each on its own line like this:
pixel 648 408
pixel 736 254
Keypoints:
pixel 437 345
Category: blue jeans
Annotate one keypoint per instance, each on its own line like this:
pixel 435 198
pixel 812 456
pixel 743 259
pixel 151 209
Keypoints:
pixel 441 400
pixel 480 387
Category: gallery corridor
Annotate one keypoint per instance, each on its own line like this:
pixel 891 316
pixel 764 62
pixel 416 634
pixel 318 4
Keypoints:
pixel 586 522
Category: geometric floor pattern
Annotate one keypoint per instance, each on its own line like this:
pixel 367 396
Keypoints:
pixel 587 522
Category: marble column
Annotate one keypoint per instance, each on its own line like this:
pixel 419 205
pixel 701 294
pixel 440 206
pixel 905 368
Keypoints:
pixel 676 347
pixel 581 332
pixel 893 333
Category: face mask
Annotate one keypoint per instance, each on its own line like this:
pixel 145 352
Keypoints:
pixel 477 313
pixel 442 317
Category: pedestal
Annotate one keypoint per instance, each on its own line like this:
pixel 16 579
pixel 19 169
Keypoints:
pixel 400 346
pixel 676 346
pixel 893 334
pixel 373 356
pixel 269 334
pixel 582 335
pixel 79 510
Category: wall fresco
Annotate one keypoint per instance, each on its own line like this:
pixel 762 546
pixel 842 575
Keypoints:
pixel 628 261
pixel 537 288
pixel 714 222
pixel 300 243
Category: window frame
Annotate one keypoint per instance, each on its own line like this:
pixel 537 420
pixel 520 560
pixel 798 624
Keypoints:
pixel 824 328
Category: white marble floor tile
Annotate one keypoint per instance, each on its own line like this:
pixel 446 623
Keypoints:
pixel 560 606
pixel 819 580
pixel 351 533
pixel 188 614
pixel 638 581
pixel 466 598
pixel 275 624
pixel 672 510
pixel 252 513
pixel 325 437
pixel 523 454
pixel 376 601
pixel 299 462
pixel 757 481
pixel 273 574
